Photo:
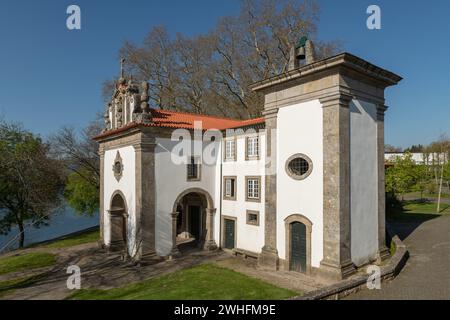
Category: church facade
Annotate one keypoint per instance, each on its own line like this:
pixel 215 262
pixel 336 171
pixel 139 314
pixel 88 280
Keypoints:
pixel 299 189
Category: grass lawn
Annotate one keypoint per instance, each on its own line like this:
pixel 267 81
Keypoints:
pixel 418 209
pixel 202 282
pixel 426 207
pixel 26 261
pixel 427 195
pixel 87 237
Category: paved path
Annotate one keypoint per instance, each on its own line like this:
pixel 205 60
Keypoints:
pixel 427 272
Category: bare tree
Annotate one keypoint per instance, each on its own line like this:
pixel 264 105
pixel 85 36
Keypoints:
pixel 211 73
pixel 79 154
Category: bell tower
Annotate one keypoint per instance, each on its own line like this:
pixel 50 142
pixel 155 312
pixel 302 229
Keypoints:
pixel 342 95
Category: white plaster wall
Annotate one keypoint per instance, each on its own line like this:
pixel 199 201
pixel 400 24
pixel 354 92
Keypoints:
pixel 170 182
pixel 248 237
pixel 126 185
pixel 364 182
pixel 300 131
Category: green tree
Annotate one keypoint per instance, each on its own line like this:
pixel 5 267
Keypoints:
pixel 30 180
pixel 421 178
pixel 80 194
pixel 402 176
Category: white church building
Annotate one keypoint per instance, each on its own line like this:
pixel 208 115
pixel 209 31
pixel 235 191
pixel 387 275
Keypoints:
pixel 300 189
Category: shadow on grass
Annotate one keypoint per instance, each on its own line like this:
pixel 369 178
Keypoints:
pixel 11 285
pixel 404 221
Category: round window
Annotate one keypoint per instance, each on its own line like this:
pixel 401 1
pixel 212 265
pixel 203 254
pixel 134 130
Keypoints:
pixel 299 166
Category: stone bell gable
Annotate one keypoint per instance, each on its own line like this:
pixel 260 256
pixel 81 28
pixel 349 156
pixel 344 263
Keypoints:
pixel 129 104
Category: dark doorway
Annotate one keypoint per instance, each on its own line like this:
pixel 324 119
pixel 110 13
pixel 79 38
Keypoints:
pixel 118 222
pixel 298 247
pixel 229 235
pixel 195 221
pixel 190 228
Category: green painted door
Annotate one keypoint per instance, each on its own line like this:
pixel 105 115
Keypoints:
pixel 298 247
pixel 194 221
pixel 229 233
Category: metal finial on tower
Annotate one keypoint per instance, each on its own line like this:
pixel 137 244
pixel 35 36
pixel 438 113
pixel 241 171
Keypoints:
pixel 122 62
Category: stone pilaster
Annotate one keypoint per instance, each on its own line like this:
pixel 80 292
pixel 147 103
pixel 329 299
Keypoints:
pixel 174 252
pixel 102 195
pixel 145 198
pixel 336 263
pixel 383 251
pixel 210 244
pixel 268 258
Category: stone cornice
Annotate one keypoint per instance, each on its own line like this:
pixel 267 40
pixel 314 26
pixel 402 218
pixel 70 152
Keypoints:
pixel 381 77
pixel 270 113
pixel 339 98
pixel 271 108
pixel 381 109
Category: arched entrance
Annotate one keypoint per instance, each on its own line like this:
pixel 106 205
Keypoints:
pixel 298 230
pixel 193 219
pixel 118 214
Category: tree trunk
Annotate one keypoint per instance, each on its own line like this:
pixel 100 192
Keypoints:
pixel 438 209
pixel 21 234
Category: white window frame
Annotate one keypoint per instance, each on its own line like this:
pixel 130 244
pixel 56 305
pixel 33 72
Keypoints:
pixel 253 189
pixel 252 147
pixel 233 182
pixel 230 151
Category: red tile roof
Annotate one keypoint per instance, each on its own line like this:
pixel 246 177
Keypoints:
pixel 173 119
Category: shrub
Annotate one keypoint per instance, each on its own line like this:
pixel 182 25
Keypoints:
pixel 393 204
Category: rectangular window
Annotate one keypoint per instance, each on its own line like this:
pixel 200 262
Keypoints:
pixel 229 192
pixel 252 144
pixel 253 217
pixel 253 188
pixel 193 169
pixel 230 149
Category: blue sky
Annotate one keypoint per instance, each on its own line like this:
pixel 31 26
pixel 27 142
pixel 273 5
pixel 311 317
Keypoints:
pixel 50 76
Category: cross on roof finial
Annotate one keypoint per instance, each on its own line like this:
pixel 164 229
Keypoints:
pixel 122 62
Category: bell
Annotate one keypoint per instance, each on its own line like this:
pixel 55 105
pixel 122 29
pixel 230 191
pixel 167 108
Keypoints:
pixel 301 53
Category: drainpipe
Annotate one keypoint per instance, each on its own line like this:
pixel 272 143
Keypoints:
pixel 220 203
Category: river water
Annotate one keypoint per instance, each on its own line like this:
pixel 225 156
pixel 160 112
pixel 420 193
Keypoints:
pixel 63 222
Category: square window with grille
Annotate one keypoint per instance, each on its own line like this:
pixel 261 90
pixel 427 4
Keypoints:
pixel 193 169
pixel 253 217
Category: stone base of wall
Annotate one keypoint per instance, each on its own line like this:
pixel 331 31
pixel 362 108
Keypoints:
pixel 268 259
pixel 359 282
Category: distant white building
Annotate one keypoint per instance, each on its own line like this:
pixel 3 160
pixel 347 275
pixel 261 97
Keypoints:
pixel 418 157
pixel 301 189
